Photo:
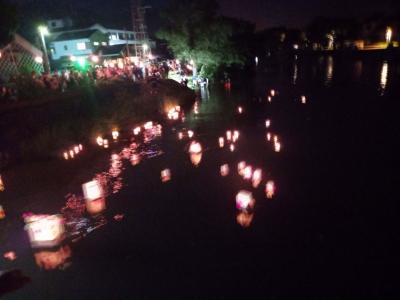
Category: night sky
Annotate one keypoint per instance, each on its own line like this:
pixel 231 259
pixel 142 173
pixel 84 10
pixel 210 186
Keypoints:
pixel 265 13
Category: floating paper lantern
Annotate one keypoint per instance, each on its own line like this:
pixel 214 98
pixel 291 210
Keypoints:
pixel 268 136
pixel 244 219
pixel 105 143
pixel 180 135
pixel 221 142
pixel 148 125
pixel 2 213
pixel 229 135
pixel 195 147
pixel 66 155
pixel 99 141
pixel 272 93
pixel 303 99
pixel 190 133
pixel 80 147
pixel 248 172
pixel 115 134
pixel 270 189
pixel 195 158
pixel 92 190
pixel 269 99
pixel 178 108
pixel 224 170
pixel 275 138
pixel 235 136
pixel 277 147
pixel 195 151
pixel 244 200
pixel 240 167
pixel 240 109
pixel 50 260
pixel 72 153
pixel 165 175
pixel 232 147
pixel 136 131
pixel 44 230
pixel 267 123
pixel 76 149
pixel 257 177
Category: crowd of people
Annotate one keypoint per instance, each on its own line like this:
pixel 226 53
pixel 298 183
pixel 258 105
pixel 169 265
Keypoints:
pixel 66 79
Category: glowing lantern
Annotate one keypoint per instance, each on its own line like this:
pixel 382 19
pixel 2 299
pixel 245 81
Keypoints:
pixel 165 175
pixel 148 125
pixel 270 189
pixel 195 158
pixel 229 135
pixel 303 99
pixel 275 138
pixel 135 159
pixel 268 136
pixel 71 153
pixel 136 131
pixel 80 147
pixel 272 93
pixel 115 134
pixel 277 147
pixel 240 167
pixel 240 109
pixel 95 59
pixel 105 143
pixel 44 230
pixel 235 136
pixel 269 99
pixel 66 155
pixel 244 219
pixel 232 147
pixel 221 142
pixel 244 200
pixel 39 59
pixel 190 133
pixel 257 176
pixel 195 147
pixel 99 141
pixel 2 213
pixel 180 135
pixel 50 260
pixel 178 108
pixel 267 123
pixel 92 190
pixel 247 172
pixel 1 184
pixel 224 170
pixel 76 149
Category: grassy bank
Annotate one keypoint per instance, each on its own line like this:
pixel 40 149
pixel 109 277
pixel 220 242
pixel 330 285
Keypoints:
pixel 43 127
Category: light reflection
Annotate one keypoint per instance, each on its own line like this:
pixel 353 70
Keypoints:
pixel 244 219
pixel 384 77
pixel 53 259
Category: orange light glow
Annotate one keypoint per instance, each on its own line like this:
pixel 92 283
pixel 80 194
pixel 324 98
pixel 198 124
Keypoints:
pixel 2 213
pixel 244 219
pixel 97 206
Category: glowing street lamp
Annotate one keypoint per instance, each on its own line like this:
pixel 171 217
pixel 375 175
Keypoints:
pixel 44 31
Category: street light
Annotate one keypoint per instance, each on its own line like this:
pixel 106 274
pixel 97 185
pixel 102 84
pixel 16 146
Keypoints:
pixel 44 31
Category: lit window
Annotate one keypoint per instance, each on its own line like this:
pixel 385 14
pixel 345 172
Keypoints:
pixel 104 43
pixel 81 46
pixel 96 43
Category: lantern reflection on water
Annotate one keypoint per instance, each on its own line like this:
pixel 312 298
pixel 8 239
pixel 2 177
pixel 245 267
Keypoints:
pixel 50 260
pixel 244 219
pixel 224 170
pixel 244 200
pixel 165 175
pixel 270 189
pixel 221 142
pixel 44 230
pixel 257 176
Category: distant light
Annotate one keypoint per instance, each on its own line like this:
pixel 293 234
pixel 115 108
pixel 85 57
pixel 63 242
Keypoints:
pixel 240 109
pixel 303 99
pixel 136 131
pixel 232 147
pixel 72 58
pixel 82 62
pixel 105 143
pixel 44 230
pixel 224 170
pixel 76 149
pixel 43 30
pixel 240 167
pixel 247 172
pixel 269 99
pixel 66 155
pixel 39 59
pixel 270 189
pixel 256 60
pixel 277 147
pixel 267 123
pixel 244 200
pixel 195 147
pixel 389 33
pixel 257 176
pixel 1 184
pixel 190 133
pixel 221 142
pixel 71 153
pixel 295 46
pixel 145 47
pixel 229 135
pixel 268 136
pixel 148 125
pixel 99 141
pixel 235 136
pixel 272 93
pixel 165 175
pixel 115 134
pixel 95 59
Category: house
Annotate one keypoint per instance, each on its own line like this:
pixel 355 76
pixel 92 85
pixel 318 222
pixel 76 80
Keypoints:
pixel 77 43
pixel 19 56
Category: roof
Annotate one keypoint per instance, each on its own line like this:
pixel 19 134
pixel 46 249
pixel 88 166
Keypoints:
pixel 113 50
pixel 75 35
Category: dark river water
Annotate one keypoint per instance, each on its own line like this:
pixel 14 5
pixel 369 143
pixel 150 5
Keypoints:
pixel 327 232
